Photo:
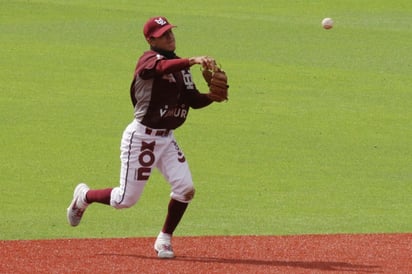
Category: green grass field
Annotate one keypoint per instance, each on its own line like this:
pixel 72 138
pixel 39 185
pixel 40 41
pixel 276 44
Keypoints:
pixel 316 136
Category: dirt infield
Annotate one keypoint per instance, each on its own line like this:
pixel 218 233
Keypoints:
pixel 365 253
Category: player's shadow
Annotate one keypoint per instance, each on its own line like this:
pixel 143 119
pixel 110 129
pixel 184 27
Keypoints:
pixel 311 265
pixel 320 265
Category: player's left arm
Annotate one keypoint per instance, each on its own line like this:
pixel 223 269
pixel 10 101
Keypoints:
pixel 198 100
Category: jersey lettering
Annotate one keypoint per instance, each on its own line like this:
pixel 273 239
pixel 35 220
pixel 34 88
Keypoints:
pixel 187 79
pixel 177 112
pixel 163 111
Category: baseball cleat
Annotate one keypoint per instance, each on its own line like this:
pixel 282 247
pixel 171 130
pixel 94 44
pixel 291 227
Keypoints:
pixel 78 205
pixel 164 249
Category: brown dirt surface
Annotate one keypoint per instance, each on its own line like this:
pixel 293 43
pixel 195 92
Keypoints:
pixel 341 253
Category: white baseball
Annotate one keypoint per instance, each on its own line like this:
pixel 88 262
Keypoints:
pixel 327 23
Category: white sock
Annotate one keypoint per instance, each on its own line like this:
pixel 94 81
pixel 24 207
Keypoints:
pixel 164 236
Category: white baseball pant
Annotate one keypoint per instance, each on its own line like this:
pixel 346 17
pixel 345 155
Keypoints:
pixel 143 149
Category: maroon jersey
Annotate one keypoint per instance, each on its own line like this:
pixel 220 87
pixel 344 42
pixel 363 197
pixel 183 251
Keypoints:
pixel 162 91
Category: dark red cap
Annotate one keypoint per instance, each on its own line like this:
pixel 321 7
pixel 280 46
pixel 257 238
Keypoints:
pixel 156 26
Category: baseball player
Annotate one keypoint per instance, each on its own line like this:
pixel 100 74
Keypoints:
pixel 162 92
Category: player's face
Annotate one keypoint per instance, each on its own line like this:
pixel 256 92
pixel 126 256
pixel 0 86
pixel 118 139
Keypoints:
pixel 165 42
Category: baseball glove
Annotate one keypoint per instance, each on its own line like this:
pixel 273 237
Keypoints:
pixel 216 79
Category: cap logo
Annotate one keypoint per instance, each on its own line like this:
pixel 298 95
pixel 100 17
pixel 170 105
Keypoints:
pixel 160 21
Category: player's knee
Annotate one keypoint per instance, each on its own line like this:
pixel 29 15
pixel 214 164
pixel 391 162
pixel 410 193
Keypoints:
pixel 185 197
pixel 123 201
pixel 122 205
pixel 190 195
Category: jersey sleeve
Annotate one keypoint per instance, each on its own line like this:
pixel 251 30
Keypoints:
pixel 172 65
pixel 152 64
pixel 146 66
pixel 199 100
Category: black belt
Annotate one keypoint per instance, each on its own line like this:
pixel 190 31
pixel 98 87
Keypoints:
pixel 157 132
